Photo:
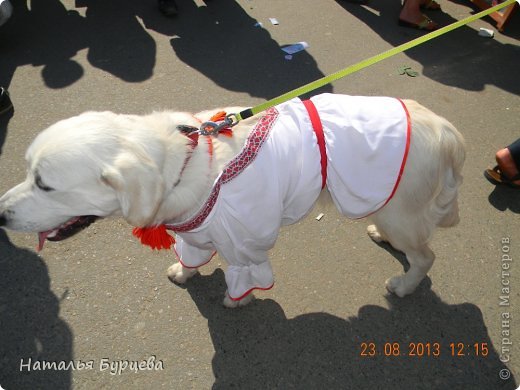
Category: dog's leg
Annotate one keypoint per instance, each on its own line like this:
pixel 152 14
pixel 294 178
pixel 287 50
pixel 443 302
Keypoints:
pixel 243 279
pixel 421 261
pixel 230 303
pixel 375 234
pixel 177 273
pixel 410 235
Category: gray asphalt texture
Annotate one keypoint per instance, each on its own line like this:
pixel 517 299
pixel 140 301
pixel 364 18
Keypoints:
pixel 100 299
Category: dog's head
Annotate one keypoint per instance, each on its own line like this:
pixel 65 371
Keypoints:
pixel 92 165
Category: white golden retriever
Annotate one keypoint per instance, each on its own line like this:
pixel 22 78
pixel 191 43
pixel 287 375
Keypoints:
pixel 394 161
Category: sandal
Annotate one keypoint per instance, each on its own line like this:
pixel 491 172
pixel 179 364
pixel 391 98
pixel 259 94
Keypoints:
pixel 426 24
pixel 496 177
pixel 431 5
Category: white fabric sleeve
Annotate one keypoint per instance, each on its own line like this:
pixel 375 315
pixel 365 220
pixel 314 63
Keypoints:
pixel 249 269
pixel 191 256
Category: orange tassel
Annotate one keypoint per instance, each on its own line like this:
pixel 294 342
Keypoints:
pixel 219 116
pixel 156 237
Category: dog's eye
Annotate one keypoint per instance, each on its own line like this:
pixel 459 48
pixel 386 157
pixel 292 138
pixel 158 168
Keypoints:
pixel 41 186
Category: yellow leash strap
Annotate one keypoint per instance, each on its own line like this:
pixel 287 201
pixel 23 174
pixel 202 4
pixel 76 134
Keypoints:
pixel 363 64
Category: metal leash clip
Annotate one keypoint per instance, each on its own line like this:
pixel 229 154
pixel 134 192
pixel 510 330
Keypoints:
pixel 213 128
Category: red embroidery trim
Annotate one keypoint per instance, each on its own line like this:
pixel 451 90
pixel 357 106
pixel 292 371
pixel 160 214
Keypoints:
pixel 253 145
pixel 250 291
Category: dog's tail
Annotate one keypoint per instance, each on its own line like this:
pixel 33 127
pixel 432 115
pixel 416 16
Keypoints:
pixel 444 206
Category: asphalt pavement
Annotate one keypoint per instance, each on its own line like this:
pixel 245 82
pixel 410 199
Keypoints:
pixel 98 312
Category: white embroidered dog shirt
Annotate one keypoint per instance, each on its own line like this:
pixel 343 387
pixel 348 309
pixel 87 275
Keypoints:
pixel 276 179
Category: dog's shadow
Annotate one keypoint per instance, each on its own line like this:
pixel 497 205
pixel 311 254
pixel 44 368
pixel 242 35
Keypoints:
pixel 31 330
pixel 258 347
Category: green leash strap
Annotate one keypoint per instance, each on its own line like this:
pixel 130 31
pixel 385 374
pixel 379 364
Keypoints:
pixel 365 63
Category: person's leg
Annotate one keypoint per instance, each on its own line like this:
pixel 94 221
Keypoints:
pixel 514 150
pixel 411 16
pixel 508 160
pixel 507 170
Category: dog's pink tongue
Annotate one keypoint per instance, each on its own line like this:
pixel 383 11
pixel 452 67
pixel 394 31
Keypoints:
pixel 42 236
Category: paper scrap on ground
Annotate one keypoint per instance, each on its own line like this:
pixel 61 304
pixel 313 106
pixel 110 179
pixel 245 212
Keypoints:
pixel 274 21
pixel 320 216
pixel 485 32
pixel 291 49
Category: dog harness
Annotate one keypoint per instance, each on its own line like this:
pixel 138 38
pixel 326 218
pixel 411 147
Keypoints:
pixel 359 153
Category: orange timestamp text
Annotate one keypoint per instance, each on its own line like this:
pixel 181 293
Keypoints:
pixel 423 349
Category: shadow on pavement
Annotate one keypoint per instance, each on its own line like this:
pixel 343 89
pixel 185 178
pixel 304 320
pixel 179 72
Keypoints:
pixel 219 40
pixel 460 58
pixel 258 347
pixel 503 198
pixel 44 33
pixel 4 123
pixel 30 326
pixel 222 42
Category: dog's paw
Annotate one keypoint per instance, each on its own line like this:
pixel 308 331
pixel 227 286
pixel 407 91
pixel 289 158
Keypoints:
pixel 374 234
pixel 397 286
pixel 231 304
pixel 179 274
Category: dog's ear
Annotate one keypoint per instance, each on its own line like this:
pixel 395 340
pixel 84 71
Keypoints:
pixel 139 187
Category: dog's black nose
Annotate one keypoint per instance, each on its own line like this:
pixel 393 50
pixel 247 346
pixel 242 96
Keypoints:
pixel 3 220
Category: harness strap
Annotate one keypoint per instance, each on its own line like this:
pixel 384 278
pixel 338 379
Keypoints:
pixel 318 129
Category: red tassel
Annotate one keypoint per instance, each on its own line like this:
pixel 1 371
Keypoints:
pixel 156 237
pixel 226 132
